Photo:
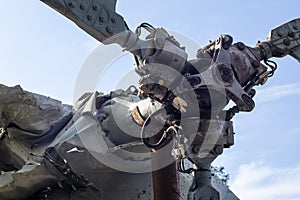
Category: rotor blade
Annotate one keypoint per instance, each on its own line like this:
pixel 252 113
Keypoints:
pixel 97 17
pixel 285 39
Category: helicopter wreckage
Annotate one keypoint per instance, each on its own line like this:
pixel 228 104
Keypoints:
pixel 154 142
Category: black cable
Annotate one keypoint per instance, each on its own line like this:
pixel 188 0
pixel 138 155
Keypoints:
pixel 162 141
pixel 181 167
pixel 168 130
pixel 272 65
pixel 146 26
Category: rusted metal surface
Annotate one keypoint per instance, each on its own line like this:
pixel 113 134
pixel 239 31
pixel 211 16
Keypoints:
pixel 165 180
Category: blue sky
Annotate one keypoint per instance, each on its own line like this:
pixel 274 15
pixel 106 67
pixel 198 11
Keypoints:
pixel 44 53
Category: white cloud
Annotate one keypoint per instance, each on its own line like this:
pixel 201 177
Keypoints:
pixel 277 92
pixel 260 181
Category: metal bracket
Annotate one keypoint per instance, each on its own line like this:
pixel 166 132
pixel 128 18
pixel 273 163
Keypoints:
pixel 285 39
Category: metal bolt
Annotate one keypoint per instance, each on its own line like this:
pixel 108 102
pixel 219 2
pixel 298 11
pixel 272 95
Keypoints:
pixel 90 17
pixel 109 29
pixel 218 150
pixel 287 42
pixel 240 46
pixel 279 33
pixel 291 34
pixel 255 63
pixel 101 18
pixel 72 4
pixel 114 20
pixel 196 149
pixel 95 8
pixel 82 6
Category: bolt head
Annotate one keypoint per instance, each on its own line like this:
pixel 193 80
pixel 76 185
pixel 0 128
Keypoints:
pixel 82 6
pixel 90 17
pixel 114 20
pixel 287 42
pixel 101 18
pixel 291 34
pixel 218 150
pixel 295 27
pixel 109 29
pixel 240 46
pixel 95 8
pixel 196 149
pixel 255 63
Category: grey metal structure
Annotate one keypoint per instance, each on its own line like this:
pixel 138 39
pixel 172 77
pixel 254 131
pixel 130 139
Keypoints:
pixel 177 119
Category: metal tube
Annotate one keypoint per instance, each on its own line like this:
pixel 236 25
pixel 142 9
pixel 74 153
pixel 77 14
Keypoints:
pixel 165 180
